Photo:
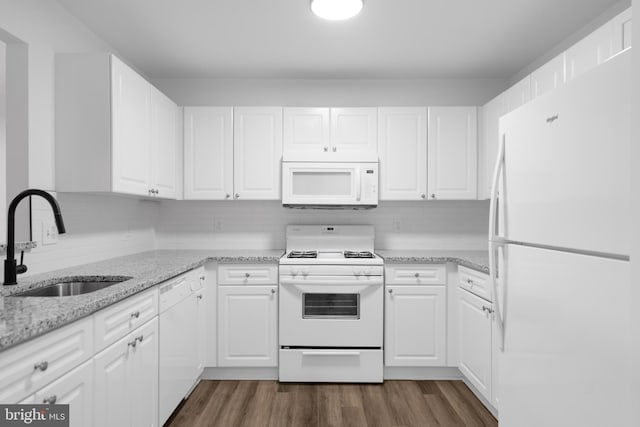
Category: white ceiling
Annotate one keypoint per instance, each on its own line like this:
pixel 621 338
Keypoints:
pixel 282 38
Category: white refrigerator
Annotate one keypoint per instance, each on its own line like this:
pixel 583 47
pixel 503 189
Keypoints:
pixel 559 255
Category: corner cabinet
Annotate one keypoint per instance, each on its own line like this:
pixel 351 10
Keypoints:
pixel 330 134
pixel 115 132
pixel 452 153
pixel 232 153
pixel 402 147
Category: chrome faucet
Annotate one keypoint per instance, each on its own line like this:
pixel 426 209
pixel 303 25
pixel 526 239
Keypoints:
pixel 11 270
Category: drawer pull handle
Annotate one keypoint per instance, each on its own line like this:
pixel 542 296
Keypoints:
pixel 247 275
pixel 201 277
pixel 135 314
pixel 50 400
pixel 199 297
pixel 139 338
pixel 417 275
pixel 133 343
pixel 273 291
pixel 42 366
pixel 470 282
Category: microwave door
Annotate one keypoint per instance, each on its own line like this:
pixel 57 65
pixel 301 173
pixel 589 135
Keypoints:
pixel 322 184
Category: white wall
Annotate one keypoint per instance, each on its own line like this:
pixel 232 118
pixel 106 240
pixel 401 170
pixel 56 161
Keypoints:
pixel 331 92
pixel 261 225
pixel 98 226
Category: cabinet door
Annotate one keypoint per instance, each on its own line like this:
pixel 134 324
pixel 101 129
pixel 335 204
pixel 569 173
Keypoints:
pixel 164 145
pixel 548 77
pixel 208 153
pixel 590 52
pixel 622 31
pixel 306 133
pixel 131 130
pixel 247 326
pixel 74 389
pixel 474 348
pixel 452 153
pixel 143 376
pixel 354 134
pixel 202 336
pixel 403 153
pixel 415 326
pixel 112 397
pixel 257 147
pixel 488 143
pixel 518 94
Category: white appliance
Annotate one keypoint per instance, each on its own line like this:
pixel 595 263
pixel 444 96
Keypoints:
pixel 331 305
pixel 559 245
pixel 330 185
pixel 178 345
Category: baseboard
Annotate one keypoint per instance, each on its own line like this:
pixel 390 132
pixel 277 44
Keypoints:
pixel 240 374
pixel 415 373
pixel 480 397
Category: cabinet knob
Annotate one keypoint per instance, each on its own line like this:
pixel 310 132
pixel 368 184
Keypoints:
pixel 135 315
pixel 273 291
pixel 237 196
pixel 390 291
pixel 199 297
pixel 417 275
pixel 424 196
pixel 202 277
pixel 42 366
pixel 50 400
pixel 470 282
pixel 335 149
pixel 326 149
pixel 247 275
pixel 139 338
pixel 157 191
pixel 151 191
pixel 433 195
pixel 228 196
pixel 132 343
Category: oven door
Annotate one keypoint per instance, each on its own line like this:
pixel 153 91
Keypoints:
pixel 331 311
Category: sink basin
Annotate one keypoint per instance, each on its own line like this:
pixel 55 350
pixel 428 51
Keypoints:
pixel 69 288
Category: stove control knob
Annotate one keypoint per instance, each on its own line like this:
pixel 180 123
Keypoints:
pixel 305 271
pixel 367 271
pixel 294 272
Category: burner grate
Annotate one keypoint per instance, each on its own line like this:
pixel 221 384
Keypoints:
pixel 354 254
pixel 303 254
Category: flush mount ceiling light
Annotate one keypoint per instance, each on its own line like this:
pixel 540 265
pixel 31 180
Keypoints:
pixel 336 10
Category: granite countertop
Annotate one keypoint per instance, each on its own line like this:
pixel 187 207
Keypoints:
pixel 19 246
pixel 477 260
pixel 23 318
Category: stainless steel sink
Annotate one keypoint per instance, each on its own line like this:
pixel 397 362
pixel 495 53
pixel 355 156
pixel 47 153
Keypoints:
pixel 79 286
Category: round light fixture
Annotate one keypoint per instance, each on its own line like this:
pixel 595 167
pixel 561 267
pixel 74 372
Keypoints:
pixel 336 10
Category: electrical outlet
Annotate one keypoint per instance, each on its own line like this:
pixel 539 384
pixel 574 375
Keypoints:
pixel 217 226
pixel 396 225
pixel 49 233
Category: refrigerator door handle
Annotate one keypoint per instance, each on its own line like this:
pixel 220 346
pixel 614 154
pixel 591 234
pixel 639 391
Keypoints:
pixel 493 204
pixel 493 272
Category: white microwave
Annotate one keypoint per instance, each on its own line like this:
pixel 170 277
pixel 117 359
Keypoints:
pixel 330 185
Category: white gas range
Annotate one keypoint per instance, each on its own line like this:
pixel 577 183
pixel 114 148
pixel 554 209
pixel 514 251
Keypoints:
pixel 331 305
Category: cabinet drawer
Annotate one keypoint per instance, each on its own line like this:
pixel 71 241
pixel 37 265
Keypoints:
pixel 116 321
pixel 475 282
pixel 28 367
pixel 416 274
pixel 248 274
pixel 316 365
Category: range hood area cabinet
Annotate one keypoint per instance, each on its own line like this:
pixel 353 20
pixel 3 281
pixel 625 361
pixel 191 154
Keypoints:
pixel 232 153
pixel 330 134
pixel 428 153
pixel 115 132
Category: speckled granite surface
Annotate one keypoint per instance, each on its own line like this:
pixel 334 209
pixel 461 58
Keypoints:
pixel 20 246
pixel 477 260
pixel 23 318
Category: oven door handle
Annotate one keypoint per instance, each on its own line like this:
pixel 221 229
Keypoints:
pixel 332 281
pixel 330 353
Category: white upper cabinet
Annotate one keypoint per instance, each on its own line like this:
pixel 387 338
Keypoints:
pixel 335 134
pixel 257 147
pixel 452 153
pixel 490 115
pixel 590 52
pixel 548 77
pixel 622 31
pixel 518 94
pixel 115 132
pixel 306 131
pixel 208 153
pixel 402 134
pixel 164 145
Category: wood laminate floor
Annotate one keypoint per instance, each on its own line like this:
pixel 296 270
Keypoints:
pixel 269 403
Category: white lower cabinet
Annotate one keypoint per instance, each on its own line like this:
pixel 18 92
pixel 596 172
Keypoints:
pixel 415 325
pixel 248 326
pixel 474 348
pixel 126 380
